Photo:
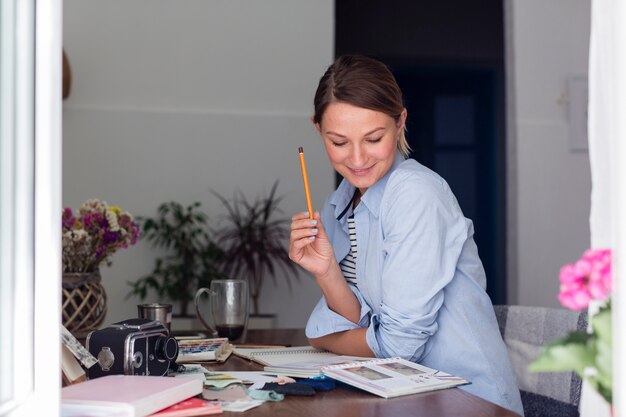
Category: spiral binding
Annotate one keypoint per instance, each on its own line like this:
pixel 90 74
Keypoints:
pixel 288 352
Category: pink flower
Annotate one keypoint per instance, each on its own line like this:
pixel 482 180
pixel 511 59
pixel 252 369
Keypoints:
pixel 587 279
pixel 575 299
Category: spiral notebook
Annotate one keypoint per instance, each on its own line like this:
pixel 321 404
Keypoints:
pixel 299 361
pixel 392 377
pixel 277 356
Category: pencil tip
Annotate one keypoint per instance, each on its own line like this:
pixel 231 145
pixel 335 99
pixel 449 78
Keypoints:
pixel 300 150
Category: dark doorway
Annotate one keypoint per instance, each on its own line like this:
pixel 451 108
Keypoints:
pixel 448 58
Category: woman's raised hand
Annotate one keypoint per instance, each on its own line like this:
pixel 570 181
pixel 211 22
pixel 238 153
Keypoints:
pixel 309 246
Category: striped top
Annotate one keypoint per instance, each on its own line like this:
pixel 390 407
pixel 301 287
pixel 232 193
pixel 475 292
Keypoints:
pixel 348 264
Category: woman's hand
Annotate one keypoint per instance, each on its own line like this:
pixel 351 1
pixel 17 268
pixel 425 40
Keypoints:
pixel 309 246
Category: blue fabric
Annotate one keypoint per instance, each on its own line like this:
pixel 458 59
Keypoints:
pixel 293 388
pixel 421 282
pixel 321 383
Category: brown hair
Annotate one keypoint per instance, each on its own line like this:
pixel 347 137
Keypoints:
pixel 363 82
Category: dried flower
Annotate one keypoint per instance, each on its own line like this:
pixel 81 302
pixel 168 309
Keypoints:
pixel 95 234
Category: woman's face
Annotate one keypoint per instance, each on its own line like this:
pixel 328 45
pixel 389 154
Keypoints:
pixel 361 143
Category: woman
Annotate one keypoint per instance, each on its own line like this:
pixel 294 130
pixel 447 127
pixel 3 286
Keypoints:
pixel 392 253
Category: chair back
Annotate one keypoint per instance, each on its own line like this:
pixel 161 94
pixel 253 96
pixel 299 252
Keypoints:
pixel 525 331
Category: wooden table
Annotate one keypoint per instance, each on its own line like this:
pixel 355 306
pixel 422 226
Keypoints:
pixel 348 402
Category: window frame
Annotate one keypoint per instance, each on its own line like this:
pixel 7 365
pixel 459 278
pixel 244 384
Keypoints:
pixel 30 206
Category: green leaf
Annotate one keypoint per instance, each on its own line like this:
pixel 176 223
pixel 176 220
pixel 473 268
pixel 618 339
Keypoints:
pixel 601 325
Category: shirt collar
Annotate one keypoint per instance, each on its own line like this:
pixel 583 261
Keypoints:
pixel 342 197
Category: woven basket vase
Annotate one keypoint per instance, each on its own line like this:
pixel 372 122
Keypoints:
pixel 84 302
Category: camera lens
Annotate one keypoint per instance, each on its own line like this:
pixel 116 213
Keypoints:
pixel 166 348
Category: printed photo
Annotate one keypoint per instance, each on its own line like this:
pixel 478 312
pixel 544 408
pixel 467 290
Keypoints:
pixel 367 373
pixel 401 369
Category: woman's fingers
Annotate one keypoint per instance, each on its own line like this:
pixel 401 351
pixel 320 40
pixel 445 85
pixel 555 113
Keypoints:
pixel 299 223
pixel 303 227
pixel 299 244
pixel 304 234
pixel 300 216
pixel 308 243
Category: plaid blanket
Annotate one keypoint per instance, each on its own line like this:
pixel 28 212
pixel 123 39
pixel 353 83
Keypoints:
pixel 525 331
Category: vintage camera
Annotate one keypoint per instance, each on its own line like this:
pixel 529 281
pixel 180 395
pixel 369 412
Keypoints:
pixel 132 347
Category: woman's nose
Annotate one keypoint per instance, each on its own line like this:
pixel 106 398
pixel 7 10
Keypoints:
pixel 358 155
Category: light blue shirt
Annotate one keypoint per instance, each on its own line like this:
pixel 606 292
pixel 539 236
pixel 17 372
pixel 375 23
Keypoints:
pixel 421 284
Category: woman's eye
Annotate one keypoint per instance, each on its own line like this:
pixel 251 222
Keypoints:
pixel 374 140
pixel 338 144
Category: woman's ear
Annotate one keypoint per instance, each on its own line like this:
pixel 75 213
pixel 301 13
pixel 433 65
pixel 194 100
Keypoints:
pixel 402 119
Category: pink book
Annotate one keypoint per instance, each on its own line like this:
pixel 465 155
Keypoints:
pixel 189 408
pixel 127 395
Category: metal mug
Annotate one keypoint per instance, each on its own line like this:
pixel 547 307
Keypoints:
pixel 156 311
pixel 228 302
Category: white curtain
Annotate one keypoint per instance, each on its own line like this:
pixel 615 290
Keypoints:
pixel 607 154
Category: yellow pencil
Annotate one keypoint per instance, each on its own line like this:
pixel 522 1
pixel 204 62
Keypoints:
pixel 306 182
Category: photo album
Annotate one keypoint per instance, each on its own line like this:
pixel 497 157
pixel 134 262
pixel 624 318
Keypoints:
pixel 392 377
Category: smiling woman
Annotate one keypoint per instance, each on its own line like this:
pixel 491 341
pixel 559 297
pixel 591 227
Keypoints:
pixel 390 241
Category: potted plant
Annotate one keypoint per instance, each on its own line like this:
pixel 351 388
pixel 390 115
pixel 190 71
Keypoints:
pixel 192 258
pixel 253 240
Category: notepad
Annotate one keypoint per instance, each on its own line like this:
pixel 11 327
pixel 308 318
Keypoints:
pixel 201 350
pixel 392 377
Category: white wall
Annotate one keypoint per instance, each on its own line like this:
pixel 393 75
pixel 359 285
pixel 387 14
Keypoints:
pixel 551 184
pixel 172 99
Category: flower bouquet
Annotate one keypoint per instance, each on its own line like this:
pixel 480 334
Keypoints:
pixel 94 234
pixel 89 238
pixel 585 284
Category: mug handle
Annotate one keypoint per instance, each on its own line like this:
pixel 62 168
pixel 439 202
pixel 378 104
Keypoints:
pixel 199 314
